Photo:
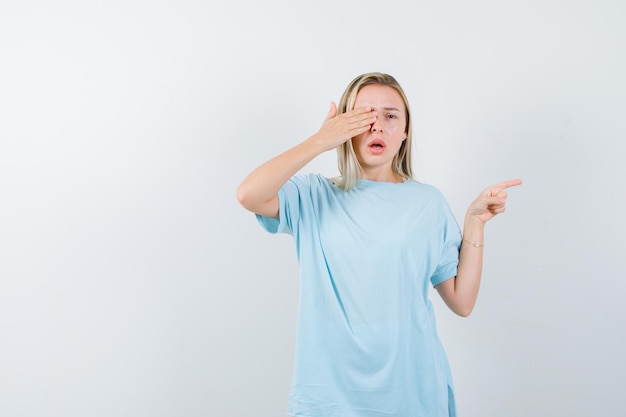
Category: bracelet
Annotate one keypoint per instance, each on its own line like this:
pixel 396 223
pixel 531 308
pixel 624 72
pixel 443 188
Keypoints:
pixel 475 245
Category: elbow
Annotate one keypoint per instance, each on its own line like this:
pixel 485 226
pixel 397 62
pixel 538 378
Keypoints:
pixel 243 197
pixel 240 195
pixel 463 310
pixel 253 201
pixel 249 200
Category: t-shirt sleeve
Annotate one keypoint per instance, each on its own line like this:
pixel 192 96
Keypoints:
pixel 289 201
pixel 449 259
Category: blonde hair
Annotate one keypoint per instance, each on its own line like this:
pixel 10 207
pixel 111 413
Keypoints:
pixel 349 166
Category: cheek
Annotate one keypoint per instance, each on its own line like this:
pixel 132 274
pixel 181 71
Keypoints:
pixel 394 125
pixel 357 140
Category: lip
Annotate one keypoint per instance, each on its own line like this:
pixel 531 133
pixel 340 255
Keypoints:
pixel 376 146
pixel 376 141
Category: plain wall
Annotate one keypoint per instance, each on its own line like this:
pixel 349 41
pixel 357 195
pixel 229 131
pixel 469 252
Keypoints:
pixel 132 283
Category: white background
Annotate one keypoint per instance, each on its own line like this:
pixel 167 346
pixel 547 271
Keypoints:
pixel 132 283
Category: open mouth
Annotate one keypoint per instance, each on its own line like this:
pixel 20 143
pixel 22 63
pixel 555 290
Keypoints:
pixel 376 145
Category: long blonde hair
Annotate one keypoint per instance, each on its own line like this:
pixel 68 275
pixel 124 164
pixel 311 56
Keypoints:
pixel 349 166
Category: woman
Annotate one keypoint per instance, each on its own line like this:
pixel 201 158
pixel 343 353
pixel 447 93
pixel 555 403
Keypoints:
pixel 369 244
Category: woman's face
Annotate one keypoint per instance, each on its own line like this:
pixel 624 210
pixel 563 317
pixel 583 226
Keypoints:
pixel 376 148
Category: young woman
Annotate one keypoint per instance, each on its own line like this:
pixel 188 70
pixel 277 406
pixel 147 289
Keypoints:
pixel 369 244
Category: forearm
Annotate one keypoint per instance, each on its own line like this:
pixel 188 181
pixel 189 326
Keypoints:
pixel 263 184
pixel 259 191
pixel 469 271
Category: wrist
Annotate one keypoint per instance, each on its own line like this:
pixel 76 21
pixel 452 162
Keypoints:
pixel 321 142
pixel 473 221
pixel 316 144
pixel 474 232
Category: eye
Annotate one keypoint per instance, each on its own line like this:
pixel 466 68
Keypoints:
pixel 392 116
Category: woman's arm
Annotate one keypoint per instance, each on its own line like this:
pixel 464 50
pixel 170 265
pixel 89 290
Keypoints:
pixel 259 191
pixel 460 292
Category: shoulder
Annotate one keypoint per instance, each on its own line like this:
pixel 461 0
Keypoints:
pixel 308 186
pixel 428 197
pixel 311 181
pixel 423 189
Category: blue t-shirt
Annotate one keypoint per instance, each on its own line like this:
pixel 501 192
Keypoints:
pixel 366 342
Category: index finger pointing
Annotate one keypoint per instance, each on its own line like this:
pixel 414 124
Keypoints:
pixel 507 184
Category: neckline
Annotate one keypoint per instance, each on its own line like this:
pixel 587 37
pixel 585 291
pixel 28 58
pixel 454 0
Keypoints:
pixel 373 183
